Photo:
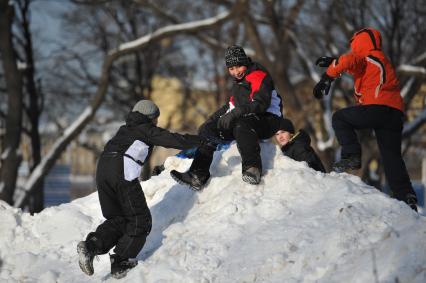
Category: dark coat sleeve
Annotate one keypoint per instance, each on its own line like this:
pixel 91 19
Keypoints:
pixel 161 137
pixel 216 115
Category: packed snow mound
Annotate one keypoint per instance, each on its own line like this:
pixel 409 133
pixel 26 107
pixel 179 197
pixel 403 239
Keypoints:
pixel 297 225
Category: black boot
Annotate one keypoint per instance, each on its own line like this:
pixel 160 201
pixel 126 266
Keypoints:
pixel 350 162
pixel 120 266
pixel 411 201
pixel 196 181
pixel 85 257
pixel 251 175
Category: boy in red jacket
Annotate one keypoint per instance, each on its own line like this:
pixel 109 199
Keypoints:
pixel 252 113
pixel 380 107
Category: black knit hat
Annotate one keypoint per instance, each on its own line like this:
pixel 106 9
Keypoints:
pixel 235 56
pixel 286 125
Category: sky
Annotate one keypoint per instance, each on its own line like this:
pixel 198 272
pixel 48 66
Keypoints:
pixel 297 225
pixel 46 24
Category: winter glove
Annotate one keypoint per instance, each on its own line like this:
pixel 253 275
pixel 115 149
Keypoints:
pixel 324 61
pixel 214 140
pixel 207 133
pixel 187 153
pixel 157 170
pixel 225 122
pixel 223 146
pixel 323 86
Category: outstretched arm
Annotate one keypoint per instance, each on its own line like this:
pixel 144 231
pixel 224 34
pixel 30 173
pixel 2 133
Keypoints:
pixel 161 137
pixel 348 62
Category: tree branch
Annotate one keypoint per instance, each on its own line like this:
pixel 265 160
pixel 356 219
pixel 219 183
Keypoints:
pixel 86 116
pixel 412 127
pixel 212 42
pixel 411 70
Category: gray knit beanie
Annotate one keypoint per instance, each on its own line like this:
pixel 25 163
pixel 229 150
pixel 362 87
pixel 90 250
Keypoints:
pixel 235 56
pixel 147 108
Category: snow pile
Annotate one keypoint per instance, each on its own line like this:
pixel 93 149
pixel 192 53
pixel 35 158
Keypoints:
pixel 298 225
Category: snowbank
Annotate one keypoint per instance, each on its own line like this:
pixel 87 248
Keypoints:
pixel 298 225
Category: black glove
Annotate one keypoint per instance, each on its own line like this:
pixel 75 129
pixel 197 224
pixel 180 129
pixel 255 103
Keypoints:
pixel 225 122
pixel 324 61
pixel 157 170
pixel 210 135
pixel 323 86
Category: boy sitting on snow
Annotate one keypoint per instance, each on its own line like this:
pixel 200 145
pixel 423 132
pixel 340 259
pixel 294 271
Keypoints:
pixel 123 204
pixel 297 145
pixel 251 114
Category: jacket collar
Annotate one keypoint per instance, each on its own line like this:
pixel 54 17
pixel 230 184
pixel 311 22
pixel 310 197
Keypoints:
pixel 136 118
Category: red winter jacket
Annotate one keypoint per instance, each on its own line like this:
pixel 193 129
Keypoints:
pixel 375 81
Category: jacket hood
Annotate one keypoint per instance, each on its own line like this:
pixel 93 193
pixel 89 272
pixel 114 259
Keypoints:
pixel 365 41
pixel 256 66
pixel 136 118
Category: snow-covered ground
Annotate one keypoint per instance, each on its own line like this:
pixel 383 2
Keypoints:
pixel 298 225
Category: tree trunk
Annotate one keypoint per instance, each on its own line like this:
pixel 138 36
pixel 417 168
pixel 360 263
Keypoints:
pixel 86 116
pixel 10 157
pixel 36 202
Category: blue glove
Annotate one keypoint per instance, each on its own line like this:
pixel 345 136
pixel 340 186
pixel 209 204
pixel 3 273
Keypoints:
pixel 187 153
pixel 223 146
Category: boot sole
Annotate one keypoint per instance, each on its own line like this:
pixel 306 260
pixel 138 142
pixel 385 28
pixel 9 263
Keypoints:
pixel 119 275
pixel 341 170
pixel 85 265
pixel 250 180
pixel 176 178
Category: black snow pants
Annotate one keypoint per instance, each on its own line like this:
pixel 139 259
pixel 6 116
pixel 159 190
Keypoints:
pixel 123 204
pixel 247 131
pixel 387 124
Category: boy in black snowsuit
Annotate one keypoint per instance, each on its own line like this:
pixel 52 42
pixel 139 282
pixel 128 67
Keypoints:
pixel 252 113
pixel 123 204
pixel 297 145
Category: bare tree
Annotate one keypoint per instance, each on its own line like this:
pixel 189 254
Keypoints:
pixel 124 49
pixel 287 37
pixel 136 39
pixel 10 157
pixel 33 99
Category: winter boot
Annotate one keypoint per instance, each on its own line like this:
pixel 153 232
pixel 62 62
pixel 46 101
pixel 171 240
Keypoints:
pixel 252 175
pixel 350 162
pixel 85 257
pixel 120 266
pixel 195 181
pixel 411 200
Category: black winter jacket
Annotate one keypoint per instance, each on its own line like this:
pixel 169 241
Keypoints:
pixel 255 93
pixel 299 148
pixel 139 128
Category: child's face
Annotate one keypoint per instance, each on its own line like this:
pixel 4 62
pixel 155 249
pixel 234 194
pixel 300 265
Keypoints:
pixel 238 72
pixel 282 137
